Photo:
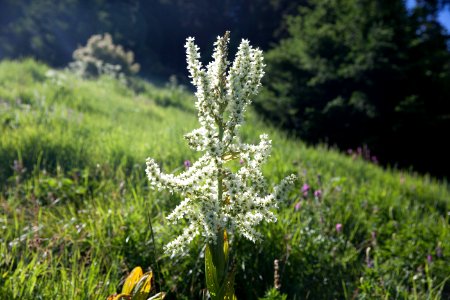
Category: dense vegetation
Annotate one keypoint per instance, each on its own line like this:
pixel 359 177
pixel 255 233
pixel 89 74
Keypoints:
pixel 365 72
pixel 75 208
pixel 346 72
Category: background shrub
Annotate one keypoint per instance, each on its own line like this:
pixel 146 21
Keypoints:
pixel 101 56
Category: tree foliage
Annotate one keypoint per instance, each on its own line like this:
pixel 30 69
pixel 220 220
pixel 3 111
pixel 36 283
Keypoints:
pixel 51 30
pixel 356 72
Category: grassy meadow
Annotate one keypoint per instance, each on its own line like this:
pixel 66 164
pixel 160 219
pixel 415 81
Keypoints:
pixel 76 212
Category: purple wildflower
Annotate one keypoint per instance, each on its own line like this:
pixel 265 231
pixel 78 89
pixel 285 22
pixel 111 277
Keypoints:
pixel 305 189
pixel 298 205
pixel 429 258
pixel 318 194
pixel 338 227
pixel 187 164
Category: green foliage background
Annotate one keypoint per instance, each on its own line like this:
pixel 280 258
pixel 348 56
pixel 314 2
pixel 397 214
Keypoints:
pixel 75 207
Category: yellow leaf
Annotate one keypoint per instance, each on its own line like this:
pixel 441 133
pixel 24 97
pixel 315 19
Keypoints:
pixel 120 296
pixel 225 244
pixel 158 296
pixel 131 280
pixel 143 287
pixel 228 157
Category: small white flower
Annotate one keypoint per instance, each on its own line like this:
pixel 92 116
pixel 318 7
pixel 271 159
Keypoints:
pixel 215 198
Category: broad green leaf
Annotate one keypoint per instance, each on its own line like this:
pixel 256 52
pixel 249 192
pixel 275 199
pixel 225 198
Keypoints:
pixel 53 183
pixel 227 289
pixel 131 280
pixel 211 274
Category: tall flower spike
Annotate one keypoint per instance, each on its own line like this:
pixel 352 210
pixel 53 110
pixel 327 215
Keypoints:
pixel 218 67
pixel 215 198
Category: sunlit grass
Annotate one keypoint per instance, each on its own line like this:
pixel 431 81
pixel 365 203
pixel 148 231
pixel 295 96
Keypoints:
pixel 75 209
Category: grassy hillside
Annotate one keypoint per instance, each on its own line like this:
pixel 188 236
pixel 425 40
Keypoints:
pixel 75 207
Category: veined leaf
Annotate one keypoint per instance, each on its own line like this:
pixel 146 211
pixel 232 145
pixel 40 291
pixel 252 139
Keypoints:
pixel 211 274
pixel 131 280
pixel 227 289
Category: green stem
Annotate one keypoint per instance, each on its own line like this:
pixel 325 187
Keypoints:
pixel 217 248
pixel 218 257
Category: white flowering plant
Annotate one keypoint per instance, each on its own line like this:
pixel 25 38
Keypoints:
pixel 217 201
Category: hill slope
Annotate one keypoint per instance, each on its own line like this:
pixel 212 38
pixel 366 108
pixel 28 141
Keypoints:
pixel 76 209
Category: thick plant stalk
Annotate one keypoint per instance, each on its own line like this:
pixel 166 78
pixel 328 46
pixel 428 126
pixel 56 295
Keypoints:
pixel 219 279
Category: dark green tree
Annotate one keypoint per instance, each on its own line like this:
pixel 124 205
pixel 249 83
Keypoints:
pixel 354 72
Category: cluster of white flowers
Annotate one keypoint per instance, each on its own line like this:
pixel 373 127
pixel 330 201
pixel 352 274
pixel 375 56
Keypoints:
pixel 215 198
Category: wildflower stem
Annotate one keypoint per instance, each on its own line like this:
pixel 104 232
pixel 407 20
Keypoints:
pixel 230 202
pixel 217 249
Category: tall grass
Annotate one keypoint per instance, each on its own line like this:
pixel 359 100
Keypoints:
pixel 75 207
